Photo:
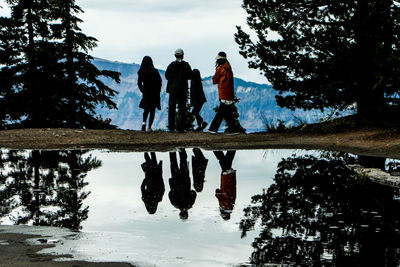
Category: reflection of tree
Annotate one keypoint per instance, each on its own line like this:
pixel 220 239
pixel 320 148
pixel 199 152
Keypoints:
pixel 46 187
pixel 5 192
pixel 317 209
pixel 393 167
pixel 181 195
pixel 152 187
pixel 71 181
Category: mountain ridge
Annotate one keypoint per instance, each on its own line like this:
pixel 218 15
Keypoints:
pixel 256 106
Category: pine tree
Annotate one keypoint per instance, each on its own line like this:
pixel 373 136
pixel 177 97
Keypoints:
pixel 8 54
pixel 48 79
pixel 34 68
pixel 83 88
pixel 327 53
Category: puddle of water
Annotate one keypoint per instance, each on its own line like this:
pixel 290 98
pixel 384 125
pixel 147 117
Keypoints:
pixel 263 207
pixel 118 211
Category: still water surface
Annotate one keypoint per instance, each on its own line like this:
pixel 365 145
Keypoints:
pixel 193 207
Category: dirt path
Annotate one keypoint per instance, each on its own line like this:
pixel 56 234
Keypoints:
pixel 372 142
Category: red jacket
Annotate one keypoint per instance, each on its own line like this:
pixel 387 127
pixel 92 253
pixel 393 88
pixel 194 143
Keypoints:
pixel 227 194
pixel 224 78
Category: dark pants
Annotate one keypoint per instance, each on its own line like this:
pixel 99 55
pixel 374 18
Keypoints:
pixel 146 113
pixel 175 100
pixel 177 171
pixel 224 113
pixel 196 112
pixel 225 160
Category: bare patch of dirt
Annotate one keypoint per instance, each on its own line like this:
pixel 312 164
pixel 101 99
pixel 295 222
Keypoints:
pixel 16 252
pixel 369 142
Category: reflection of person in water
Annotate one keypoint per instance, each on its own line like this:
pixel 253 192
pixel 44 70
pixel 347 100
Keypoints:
pixel 227 193
pixel 153 185
pixel 199 165
pixel 181 195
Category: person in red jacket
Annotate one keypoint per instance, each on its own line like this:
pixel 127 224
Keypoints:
pixel 226 194
pixel 227 110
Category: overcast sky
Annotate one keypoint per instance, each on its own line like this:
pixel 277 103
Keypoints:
pixel 127 30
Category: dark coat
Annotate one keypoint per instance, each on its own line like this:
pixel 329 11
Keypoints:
pixel 181 195
pixel 199 166
pixel 196 93
pixel 178 74
pixel 153 187
pixel 150 86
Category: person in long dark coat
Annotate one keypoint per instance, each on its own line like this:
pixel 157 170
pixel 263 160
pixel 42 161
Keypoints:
pixel 197 99
pixel 181 195
pixel 149 82
pixel 153 184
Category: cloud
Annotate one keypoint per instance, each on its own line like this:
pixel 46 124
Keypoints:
pixel 129 29
pixel 158 6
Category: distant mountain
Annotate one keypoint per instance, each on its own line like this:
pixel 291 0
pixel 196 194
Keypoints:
pixel 257 101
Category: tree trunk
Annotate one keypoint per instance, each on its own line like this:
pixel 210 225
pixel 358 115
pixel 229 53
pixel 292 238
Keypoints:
pixel 374 42
pixel 370 104
pixel 29 22
pixel 30 83
pixel 36 172
pixel 69 34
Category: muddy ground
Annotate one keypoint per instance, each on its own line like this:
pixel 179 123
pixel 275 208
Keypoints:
pixel 15 252
pixel 369 141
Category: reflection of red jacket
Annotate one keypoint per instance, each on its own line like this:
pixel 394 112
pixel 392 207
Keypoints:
pixel 224 78
pixel 227 194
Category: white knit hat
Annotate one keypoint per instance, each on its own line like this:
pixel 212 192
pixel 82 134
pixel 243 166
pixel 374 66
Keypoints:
pixel 179 52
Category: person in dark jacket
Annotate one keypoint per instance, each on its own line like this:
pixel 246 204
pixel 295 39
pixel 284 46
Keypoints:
pixel 149 82
pixel 199 166
pixel 178 74
pixel 227 110
pixel 197 99
pixel 153 184
pixel 181 195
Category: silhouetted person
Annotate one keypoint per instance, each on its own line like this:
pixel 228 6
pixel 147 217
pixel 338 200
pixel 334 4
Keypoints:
pixel 227 110
pixel 153 187
pixel 149 82
pixel 178 73
pixel 226 195
pixel 197 99
pixel 181 195
pixel 199 166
